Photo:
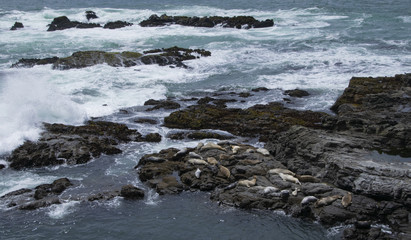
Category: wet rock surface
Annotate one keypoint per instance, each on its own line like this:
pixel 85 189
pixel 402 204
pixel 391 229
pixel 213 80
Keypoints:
pixel 45 195
pixel 41 196
pixel 259 120
pixel 166 56
pixel 245 22
pixel 328 167
pixel 17 25
pixel 65 144
pixel 117 24
pixel 63 22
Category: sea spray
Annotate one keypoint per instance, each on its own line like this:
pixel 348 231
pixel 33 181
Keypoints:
pixel 26 101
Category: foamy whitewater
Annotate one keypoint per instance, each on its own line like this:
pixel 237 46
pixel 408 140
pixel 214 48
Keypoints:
pixel 315 45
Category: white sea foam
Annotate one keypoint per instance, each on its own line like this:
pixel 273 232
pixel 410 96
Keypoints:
pixel 26 101
pixel 12 181
pixel 59 211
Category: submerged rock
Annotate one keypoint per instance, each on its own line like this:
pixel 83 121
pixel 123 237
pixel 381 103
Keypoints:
pixel 245 22
pixel 17 25
pixel 166 56
pixel 158 104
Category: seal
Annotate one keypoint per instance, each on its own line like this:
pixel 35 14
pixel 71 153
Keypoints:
pixel 248 183
pixel 197 173
pixel 194 155
pixel 326 201
pixel 295 192
pixel 225 171
pixel 235 149
pixel 180 153
pixel 346 200
pixel 196 161
pixel 211 145
pixel 289 178
pixel 263 151
pixel 308 199
pixel 280 170
pixel 212 161
pixel 199 145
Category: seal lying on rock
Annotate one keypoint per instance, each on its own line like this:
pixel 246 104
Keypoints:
pixel 211 145
pixel 346 200
pixel 196 161
pixel 235 149
pixel 307 178
pixel 289 178
pixel 326 201
pixel 263 151
pixel 248 183
pixel 212 161
pixel 225 171
pixel 280 170
pixel 308 199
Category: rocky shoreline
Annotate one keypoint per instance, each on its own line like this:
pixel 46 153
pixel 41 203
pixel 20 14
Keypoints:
pixel 314 166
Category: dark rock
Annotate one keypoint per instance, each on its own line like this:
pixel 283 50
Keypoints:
pixel 245 22
pixel 296 93
pixel 158 104
pixel 117 24
pixel 16 193
pixel 91 15
pixel 2 166
pixel 34 61
pixel 152 137
pixel 260 89
pixel 17 25
pixel 145 120
pixel 61 23
pixel 103 196
pixel 40 203
pixel 72 144
pixel 131 192
pixel 258 120
pixel 169 56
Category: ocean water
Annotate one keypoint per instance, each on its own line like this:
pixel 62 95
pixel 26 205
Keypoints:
pixel 315 45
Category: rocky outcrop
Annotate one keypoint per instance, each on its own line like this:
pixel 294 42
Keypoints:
pixel 17 25
pixel 329 169
pixel 63 22
pixel 245 22
pixel 65 144
pixel 259 120
pixel 117 24
pixel 197 135
pixel 41 196
pixel 91 15
pixel 166 56
pixel 131 192
pixel 161 104
pixel 296 93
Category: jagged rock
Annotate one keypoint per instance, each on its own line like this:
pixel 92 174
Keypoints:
pixel 17 25
pixel 158 104
pixel 31 62
pixel 131 192
pixel 61 23
pixel 239 22
pixel 152 137
pixel 43 196
pixel 296 93
pixel 72 144
pixel 2 166
pixel 198 135
pixel 117 24
pixel 91 15
pixel 257 120
pixel 166 56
